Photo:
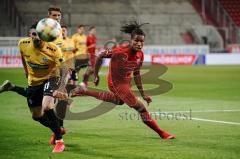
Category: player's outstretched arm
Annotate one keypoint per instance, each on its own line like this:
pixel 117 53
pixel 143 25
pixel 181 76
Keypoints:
pixel 64 76
pixel 138 82
pixel 99 60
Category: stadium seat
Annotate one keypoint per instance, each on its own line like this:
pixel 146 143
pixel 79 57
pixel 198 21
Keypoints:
pixel 167 18
pixel 233 9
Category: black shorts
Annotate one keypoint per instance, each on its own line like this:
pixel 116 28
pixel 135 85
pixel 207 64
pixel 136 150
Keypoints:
pixel 81 63
pixel 35 94
pixel 73 76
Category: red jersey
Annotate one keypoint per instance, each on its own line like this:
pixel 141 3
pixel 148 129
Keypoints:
pixel 91 44
pixel 123 64
pixel 91 40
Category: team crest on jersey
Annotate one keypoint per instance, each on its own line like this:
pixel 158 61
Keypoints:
pixel 45 59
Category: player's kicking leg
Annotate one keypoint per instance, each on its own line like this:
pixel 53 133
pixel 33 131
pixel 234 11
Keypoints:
pixel 48 105
pixel 131 100
pixel 122 95
pixel 149 121
pixel 61 109
pixel 41 104
pixel 106 96
pixel 8 86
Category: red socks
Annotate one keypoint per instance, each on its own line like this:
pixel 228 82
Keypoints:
pixel 150 122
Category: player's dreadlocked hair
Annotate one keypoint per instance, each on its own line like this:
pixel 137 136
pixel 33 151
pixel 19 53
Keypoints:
pixel 133 28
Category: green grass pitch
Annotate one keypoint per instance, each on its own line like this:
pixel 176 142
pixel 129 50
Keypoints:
pixel 211 92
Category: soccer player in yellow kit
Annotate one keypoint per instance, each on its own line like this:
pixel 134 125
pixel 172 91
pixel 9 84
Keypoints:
pixel 61 107
pixel 80 42
pixel 42 61
pixel 54 13
pixel 7 85
pixel 69 51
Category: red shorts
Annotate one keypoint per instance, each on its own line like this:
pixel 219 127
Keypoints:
pixel 124 92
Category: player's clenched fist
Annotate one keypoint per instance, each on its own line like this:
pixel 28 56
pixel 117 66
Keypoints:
pixel 147 99
pixel 60 95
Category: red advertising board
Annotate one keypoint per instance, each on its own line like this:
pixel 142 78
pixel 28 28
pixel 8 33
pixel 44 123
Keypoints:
pixel 10 61
pixel 174 59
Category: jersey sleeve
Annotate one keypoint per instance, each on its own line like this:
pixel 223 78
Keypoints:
pixel 20 47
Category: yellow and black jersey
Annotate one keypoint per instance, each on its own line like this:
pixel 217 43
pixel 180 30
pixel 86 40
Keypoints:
pixel 80 42
pixel 68 52
pixel 40 63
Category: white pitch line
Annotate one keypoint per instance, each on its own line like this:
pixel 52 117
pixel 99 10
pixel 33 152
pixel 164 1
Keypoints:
pixel 199 111
pixel 216 121
pixel 201 119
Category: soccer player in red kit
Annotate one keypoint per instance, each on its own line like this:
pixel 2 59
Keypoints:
pixel 125 61
pixel 91 47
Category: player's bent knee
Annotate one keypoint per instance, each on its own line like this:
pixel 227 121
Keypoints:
pixel 126 95
pixel 36 112
pixel 37 115
pixel 140 107
pixel 48 103
pixel 131 102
